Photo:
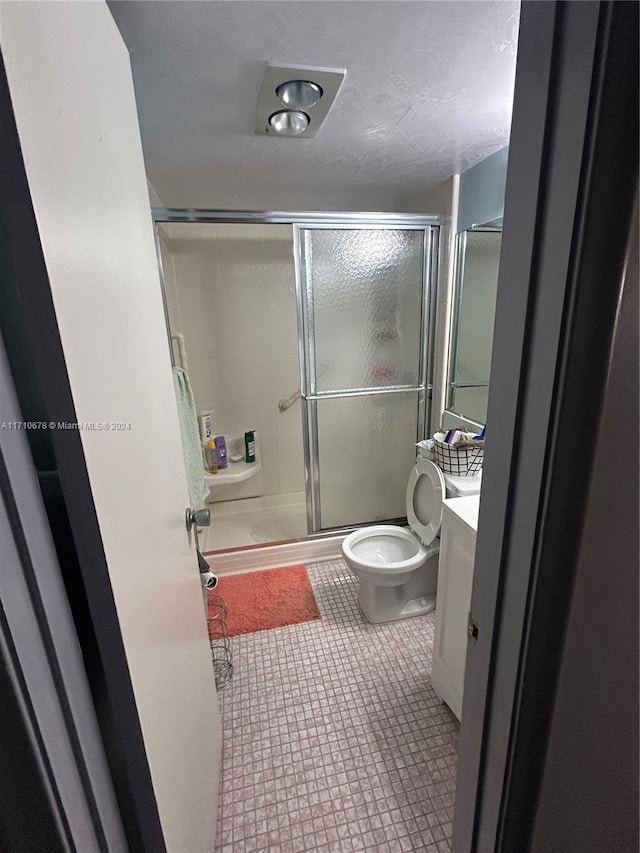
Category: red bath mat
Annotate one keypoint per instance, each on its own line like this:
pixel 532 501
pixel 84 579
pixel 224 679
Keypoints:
pixel 271 598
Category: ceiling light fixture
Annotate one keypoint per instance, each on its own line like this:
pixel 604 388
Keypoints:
pixel 288 122
pixel 299 94
pixel 294 102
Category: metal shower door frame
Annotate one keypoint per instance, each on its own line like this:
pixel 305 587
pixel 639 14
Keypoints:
pixel 345 220
pixel 306 347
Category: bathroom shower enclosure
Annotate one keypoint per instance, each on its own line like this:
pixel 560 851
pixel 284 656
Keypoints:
pixel 365 300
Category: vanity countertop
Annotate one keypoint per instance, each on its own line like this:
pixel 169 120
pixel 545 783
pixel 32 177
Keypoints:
pixel 466 509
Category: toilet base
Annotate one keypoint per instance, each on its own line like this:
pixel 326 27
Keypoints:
pixel 380 604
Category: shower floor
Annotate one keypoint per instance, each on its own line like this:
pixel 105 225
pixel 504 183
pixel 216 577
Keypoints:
pixel 254 521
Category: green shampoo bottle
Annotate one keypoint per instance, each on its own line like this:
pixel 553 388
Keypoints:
pixel 249 446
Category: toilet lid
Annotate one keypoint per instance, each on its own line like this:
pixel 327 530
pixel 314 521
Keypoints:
pixel 425 492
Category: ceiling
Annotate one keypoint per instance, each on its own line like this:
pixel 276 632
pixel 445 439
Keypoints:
pixel 428 92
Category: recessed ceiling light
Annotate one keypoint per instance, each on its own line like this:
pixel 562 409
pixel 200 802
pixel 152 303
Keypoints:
pixel 299 94
pixel 294 102
pixel 289 122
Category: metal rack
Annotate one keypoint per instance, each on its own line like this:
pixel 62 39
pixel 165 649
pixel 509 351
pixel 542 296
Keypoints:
pixel 219 640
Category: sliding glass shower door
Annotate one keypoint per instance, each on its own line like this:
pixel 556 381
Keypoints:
pixel 364 299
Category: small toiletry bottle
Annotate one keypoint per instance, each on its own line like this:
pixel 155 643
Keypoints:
pixel 249 446
pixel 221 450
pixel 211 457
pixel 205 424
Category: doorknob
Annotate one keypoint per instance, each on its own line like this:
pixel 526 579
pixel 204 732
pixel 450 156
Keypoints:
pixel 199 517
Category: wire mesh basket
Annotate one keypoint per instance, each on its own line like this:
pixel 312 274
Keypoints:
pixel 222 668
pixel 462 461
pixel 217 607
pixel 219 640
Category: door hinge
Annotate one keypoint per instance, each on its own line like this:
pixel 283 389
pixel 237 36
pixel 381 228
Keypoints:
pixel 472 628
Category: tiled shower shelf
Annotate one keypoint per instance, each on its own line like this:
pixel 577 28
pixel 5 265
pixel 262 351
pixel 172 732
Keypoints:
pixel 235 472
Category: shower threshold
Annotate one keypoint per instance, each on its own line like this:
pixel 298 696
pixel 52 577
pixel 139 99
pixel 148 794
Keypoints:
pixel 255 521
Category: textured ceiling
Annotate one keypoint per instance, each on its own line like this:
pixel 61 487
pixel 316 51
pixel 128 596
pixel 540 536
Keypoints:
pixel 428 92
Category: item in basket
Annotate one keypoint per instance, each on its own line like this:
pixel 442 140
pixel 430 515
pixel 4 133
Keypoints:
pixel 425 448
pixel 456 438
pixel 469 441
pixel 463 458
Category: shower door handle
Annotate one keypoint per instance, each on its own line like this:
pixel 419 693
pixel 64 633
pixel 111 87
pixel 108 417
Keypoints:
pixel 199 517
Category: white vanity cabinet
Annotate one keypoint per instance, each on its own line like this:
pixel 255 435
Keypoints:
pixel 455 579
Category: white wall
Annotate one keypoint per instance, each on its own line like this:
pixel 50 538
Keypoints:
pixel 231 293
pixel 154 198
pixel 482 191
pixel 72 94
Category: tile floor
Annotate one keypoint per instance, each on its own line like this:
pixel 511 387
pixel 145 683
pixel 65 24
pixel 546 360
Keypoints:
pixel 333 737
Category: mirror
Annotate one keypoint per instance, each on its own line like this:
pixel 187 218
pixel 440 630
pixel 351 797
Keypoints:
pixel 474 300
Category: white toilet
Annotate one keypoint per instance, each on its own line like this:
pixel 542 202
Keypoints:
pixel 398 568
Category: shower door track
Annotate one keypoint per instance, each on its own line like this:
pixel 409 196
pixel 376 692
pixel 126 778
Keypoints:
pixel 293 217
pixel 352 220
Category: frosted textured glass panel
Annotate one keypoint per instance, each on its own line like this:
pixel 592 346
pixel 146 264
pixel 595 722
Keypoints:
pixel 366 447
pixel 478 306
pixel 364 298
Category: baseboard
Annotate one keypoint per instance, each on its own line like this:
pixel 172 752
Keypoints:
pixel 273 556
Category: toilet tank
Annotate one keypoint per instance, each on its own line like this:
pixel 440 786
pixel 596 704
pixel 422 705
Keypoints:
pixel 462 487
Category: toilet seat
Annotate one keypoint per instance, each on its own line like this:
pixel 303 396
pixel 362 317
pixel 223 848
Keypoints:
pixel 426 489
pixel 384 548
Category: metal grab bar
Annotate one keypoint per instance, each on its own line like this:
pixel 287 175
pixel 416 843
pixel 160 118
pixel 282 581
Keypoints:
pixel 287 402
pixel 182 351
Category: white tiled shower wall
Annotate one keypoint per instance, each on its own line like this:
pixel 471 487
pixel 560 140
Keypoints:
pixel 231 293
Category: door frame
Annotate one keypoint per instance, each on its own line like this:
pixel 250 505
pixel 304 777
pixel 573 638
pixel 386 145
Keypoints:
pixel 43 670
pixel 503 736
pixel 571 184
pixel 430 224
